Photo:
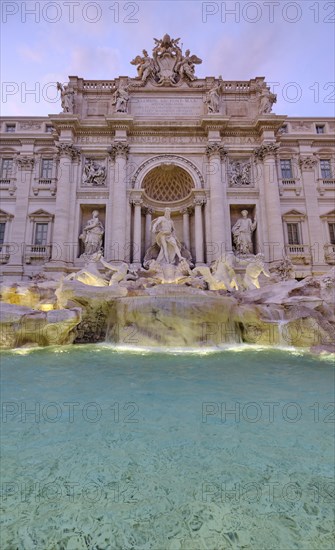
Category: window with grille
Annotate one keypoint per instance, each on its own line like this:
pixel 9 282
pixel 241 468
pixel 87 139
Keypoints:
pixel 331 226
pixel 293 233
pixel 6 168
pixel 2 232
pixel 41 234
pixel 46 169
pixel 286 169
pixel 326 172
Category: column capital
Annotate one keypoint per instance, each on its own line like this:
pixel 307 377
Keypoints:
pixel 199 201
pixel 148 211
pixel 119 149
pixel 68 150
pixel 185 210
pixel 216 149
pixel 136 201
pixel 25 163
pixel 307 163
pixel 266 150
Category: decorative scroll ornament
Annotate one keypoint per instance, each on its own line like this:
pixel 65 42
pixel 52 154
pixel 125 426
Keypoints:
pixel 119 149
pixel 167 66
pixel 69 150
pixel 216 149
pixel 307 163
pixel 266 149
pixel 25 163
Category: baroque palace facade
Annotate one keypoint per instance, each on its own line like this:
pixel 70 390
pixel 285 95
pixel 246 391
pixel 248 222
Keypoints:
pixel 130 147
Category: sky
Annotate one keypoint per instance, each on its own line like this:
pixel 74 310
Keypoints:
pixel 290 43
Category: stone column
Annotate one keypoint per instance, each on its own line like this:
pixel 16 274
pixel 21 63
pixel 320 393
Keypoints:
pixel 199 234
pixel 137 237
pixel 316 234
pixel 148 220
pixel 61 249
pixel 274 249
pixel 215 153
pixel 119 153
pixel 186 227
pixel 25 165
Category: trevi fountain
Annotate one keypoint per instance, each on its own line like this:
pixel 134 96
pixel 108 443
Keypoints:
pixel 169 398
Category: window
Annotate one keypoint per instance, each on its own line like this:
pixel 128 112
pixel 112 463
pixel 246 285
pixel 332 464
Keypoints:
pixel 49 129
pixel 2 232
pixel 326 172
pixel 293 233
pixel 10 128
pixel 6 168
pixel 283 129
pixel 320 129
pixel 331 226
pixel 286 169
pixel 46 169
pixel 41 234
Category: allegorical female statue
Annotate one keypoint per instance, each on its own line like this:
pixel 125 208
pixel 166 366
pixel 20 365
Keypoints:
pixel 242 233
pixel 92 235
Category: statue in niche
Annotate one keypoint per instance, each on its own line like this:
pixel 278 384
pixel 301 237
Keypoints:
pixel 145 66
pixel 67 98
pixel 212 99
pixel 94 173
pixel 253 271
pixel 266 100
pixel 92 235
pixel 186 66
pixel 242 233
pixel 120 99
pixel 240 174
pixel 169 246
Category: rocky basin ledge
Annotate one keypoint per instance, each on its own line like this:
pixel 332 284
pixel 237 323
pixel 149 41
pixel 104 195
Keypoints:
pixel 290 313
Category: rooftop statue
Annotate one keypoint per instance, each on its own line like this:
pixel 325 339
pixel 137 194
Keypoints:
pixel 266 99
pixel 167 66
pixel 67 98
pixel 212 99
pixel 121 98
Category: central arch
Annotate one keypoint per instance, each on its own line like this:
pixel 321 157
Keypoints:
pixel 168 181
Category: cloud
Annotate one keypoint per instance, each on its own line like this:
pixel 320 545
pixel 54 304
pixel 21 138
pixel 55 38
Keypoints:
pixel 35 55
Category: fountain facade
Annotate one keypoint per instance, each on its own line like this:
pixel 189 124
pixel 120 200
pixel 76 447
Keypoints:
pixel 168 200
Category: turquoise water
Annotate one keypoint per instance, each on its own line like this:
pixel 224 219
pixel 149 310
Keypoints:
pixel 140 451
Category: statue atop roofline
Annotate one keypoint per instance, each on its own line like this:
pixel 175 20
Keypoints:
pixel 167 66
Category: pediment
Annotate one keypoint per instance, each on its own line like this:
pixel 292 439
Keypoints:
pixel 40 214
pixel 330 214
pixel 6 215
pixel 294 214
